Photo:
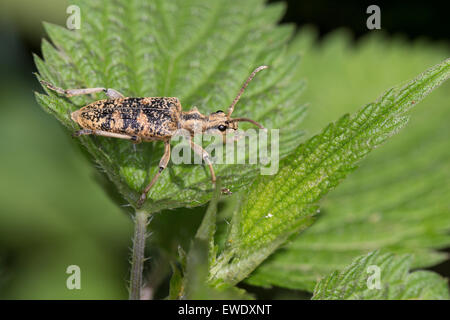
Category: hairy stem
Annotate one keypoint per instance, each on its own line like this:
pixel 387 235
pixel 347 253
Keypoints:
pixel 137 259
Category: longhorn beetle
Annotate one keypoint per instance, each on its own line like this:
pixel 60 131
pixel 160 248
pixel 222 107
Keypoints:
pixel 150 119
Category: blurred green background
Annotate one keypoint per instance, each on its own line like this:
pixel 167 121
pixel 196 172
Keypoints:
pixel 53 213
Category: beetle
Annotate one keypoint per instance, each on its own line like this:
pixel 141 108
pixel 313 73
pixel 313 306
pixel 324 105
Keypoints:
pixel 150 119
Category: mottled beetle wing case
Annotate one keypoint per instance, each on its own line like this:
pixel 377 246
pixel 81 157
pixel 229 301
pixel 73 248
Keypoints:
pixel 148 118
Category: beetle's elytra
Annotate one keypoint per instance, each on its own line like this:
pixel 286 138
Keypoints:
pixel 147 119
pixel 150 119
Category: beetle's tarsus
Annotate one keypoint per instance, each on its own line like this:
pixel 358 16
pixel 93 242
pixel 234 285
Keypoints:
pixel 76 134
pixel 82 132
pixel 142 199
pixel 136 139
pixel 226 191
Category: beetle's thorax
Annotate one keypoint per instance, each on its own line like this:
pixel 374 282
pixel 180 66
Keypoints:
pixel 193 121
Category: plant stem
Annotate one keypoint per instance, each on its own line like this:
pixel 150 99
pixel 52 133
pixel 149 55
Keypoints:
pixel 137 259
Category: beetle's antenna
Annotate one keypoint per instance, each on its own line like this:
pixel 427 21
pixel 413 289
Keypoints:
pixel 246 120
pixel 231 107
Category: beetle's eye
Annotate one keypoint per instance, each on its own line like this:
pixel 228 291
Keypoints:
pixel 219 111
pixel 222 127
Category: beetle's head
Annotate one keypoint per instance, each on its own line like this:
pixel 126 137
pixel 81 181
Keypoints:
pixel 219 122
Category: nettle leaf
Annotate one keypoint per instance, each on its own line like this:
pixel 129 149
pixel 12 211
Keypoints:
pixel 381 276
pixel 207 229
pixel 196 286
pixel 279 206
pixel 191 281
pixel 399 199
pixel 199 51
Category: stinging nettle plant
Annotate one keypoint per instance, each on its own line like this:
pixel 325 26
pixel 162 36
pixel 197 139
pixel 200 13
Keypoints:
pixel 201 52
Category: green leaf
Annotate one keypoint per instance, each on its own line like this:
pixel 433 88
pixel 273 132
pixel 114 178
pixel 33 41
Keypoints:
pixel 196 286
pixel 399 199
pixel 280 206
pixel 381 276
pixel 191 282
pixel 199 51
pixel 176 286
pixel 207 229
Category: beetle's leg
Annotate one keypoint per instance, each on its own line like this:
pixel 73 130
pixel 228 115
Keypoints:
pixel 111 93
pixel 135 140
pixel 84 132
pixel 205 156
pixel 162 165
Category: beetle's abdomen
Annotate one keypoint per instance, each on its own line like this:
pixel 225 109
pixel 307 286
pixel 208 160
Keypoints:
pixel 149 118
